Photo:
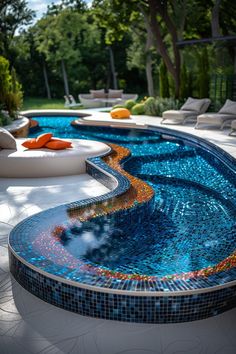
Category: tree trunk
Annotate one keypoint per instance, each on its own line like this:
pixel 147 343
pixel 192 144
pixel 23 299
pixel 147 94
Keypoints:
pixel 215 25
pixel 179 8
pixel 46 81
pixel 234 60
pixel 64 74
pixel 215 29
pixel 149 75
pixel 113 70
pixel 158 7
pixel 148 64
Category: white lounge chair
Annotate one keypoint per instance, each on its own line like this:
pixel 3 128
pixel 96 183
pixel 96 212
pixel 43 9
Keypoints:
pixel 189 111
pixel 70 102
pixel 233 127
pixel 219 119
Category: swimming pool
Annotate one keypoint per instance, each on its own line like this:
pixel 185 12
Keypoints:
pixel 181 240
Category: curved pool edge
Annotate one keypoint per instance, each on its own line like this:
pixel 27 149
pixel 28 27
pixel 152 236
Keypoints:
pixel 138 293
pixel 123 307
pixel 180 306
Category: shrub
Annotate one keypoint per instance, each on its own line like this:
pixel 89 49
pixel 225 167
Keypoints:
pixel 138 109
pixel 5 119
pixel 12 103
pixel 118 106
pixel 10 90
pixel 150 106
pixel 164 104
pixel 129 104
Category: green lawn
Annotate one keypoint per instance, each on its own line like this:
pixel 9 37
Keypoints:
pixel 43 103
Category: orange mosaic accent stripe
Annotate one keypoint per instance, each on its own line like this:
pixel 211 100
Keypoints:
pixel 33 123
pixel 139 191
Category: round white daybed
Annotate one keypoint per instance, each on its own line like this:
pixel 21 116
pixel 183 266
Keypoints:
pixel 26 163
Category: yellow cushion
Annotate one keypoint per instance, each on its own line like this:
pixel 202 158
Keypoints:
pixel 120 113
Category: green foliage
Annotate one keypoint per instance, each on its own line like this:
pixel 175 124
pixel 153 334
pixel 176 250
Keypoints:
pixel 119 106
pixel 5 78
pixel 5 119
pixel 78 34
pixel 10 89
pixel 43 103
pixel 163 79
pixel 138 109
pixel 129 104
pixel 184 82
pixel 13 15
pixel 155 106
pixel 203 74
pixel 116 17
pixel 164 104
pixel 150 106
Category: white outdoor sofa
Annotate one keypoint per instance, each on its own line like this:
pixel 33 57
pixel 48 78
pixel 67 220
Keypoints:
pixel 98 98
pixel 189 111
pixel 24 163
pixel 220 119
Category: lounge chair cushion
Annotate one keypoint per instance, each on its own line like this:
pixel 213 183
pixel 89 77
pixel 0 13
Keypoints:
pixel 181 115
pixel 228 108
pixel 214 118
pixel 48 163
pixel 7 141
pixel 194 104
pixel 233 124
pixel 98 93
pixel 115 93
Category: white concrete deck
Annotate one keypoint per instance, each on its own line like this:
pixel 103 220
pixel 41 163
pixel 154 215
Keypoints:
pixel 29 325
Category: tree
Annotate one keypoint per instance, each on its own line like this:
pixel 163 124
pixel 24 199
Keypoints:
pixel 120 14
pixel 13 15
pixel 57 38
pixel 157 9
pixel 71 44
pixel 10 89
pixel 120 18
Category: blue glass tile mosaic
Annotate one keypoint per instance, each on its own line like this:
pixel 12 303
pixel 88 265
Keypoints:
pixel 190 225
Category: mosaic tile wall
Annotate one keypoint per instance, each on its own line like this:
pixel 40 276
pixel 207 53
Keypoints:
pixel 144 309
pixel 133 199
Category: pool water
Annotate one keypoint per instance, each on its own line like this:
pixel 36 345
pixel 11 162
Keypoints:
pixel 193 225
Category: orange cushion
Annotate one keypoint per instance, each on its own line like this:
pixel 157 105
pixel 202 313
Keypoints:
pixel 120 113
pixel 37 143
pixel 57 144
pixel 43 139
pixel 30 144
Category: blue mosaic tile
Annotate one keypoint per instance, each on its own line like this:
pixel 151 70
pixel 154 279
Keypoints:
pixel 130 241
pixel 118 307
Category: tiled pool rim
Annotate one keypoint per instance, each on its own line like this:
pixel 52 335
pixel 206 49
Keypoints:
pixel 226 300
